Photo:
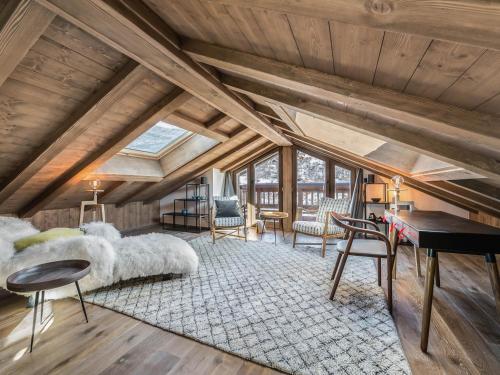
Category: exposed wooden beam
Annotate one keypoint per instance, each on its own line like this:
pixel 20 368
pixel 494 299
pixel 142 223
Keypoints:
pixel 287 119
pixel 472 22
pixel 172 184
pixel 357 97
pixel 461 200
pixel 122 177
pixel 132 35
pixel 217 121
pixel 115 187
pixel 429 142
pixel 22 22
pixel 76 124
pixel 149 118
pixel 245 159
pixel 183 121
pixel 480 187
pixel 266 111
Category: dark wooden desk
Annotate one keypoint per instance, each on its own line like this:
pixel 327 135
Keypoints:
pixel 442 232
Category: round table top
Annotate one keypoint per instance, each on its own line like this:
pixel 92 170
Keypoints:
pixel 48 275
pixel 274 214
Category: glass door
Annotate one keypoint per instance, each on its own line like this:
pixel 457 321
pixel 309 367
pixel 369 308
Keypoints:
pixel 311 182
pixel 267 183
pixel 242 185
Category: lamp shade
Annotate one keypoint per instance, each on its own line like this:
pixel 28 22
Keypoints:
pixel 375 192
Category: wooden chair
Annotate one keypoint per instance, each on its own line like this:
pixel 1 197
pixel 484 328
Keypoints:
pixel 228 226
pixel 321 226
pixel 378 247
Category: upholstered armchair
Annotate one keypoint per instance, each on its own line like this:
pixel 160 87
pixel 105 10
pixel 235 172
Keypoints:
pixel 322 226
pixel 227 221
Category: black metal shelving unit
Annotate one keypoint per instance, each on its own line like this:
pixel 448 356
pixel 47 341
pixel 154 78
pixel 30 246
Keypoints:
pixel 196 205
pixel 384 202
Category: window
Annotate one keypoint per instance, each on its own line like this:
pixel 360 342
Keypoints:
pixel 343 179
pixel 242 186
pixel 311 180
pixel 157 139
pixel 267 178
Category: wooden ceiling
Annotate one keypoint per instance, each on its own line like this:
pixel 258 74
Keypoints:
pixel 80 79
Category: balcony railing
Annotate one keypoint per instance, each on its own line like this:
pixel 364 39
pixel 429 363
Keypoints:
pixel 308 194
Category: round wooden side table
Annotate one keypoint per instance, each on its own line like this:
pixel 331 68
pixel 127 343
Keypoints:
pixel 47 276
pixel 274 216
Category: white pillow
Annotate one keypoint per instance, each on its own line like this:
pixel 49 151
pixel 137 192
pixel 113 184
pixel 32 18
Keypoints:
pixel 13 228
pixel 100 229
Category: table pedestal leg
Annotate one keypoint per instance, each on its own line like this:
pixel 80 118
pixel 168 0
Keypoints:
pixel 283 229
pixel 41 307
pixel 491 264
pixel 274 227
pixel 37 294
pixel 81 300
pixel 428 293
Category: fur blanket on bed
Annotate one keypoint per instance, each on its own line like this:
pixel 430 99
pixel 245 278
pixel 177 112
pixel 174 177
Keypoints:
pixel 112 258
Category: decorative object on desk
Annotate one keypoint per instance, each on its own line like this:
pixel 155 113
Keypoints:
pixel 397 182
pixel 376 200
pixel 94 188
pixel 184 212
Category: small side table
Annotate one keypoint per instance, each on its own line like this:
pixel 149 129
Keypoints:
pixel 274 216
pixel 48 276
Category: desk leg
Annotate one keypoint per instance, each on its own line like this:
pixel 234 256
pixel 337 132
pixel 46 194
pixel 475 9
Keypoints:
pixel 429 289
pixel 491 264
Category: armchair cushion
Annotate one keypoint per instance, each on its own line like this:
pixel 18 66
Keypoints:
pixel 229 221
pixel 364 247
pixel 315 228
pixel 227 208
pixel 326 205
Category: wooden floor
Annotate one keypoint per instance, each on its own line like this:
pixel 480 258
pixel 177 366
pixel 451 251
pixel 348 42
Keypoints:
pixel 465 332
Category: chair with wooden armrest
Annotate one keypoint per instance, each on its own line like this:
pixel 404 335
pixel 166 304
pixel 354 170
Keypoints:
pixel 322 226
pixel 228 226
pixel 378 247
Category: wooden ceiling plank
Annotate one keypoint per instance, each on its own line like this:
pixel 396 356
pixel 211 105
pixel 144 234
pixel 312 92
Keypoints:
pixel 217 121
pixel 462 201
pixel 22 24
pixel 183 121
pixel 245 159
pixel 76 124
pixel 468 21
pixel 131 35
pixel 170 103
pixel 420 141
pixel 122 202
pixel 419 112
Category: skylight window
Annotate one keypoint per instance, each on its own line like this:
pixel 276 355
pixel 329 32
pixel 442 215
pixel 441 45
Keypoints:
pixel 157 139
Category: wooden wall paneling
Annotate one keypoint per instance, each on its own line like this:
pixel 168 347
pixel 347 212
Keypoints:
pixel 355 51
pixel 432 144
pixel 21 25
pixel 132 216
pixel 74 126
pixel 491 106
pixel 130 35
pixel 399 57
pixel 287 155
pixel 485 218
pixel 138 187
pixel 279 34
pixel 442 64
pixel 468 21
pixel 312 36
pixel 149 118
pixel 477 85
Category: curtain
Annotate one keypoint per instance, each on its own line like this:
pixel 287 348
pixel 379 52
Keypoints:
pixel 357 196
pixel 228 187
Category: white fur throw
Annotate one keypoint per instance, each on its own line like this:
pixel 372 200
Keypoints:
pixel 112 259
pixel 12 228
pixel 105 230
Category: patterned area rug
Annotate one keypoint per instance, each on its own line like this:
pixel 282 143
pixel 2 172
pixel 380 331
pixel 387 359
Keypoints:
pixel 269 304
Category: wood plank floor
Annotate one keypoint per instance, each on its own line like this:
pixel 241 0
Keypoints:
pixel 464 339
